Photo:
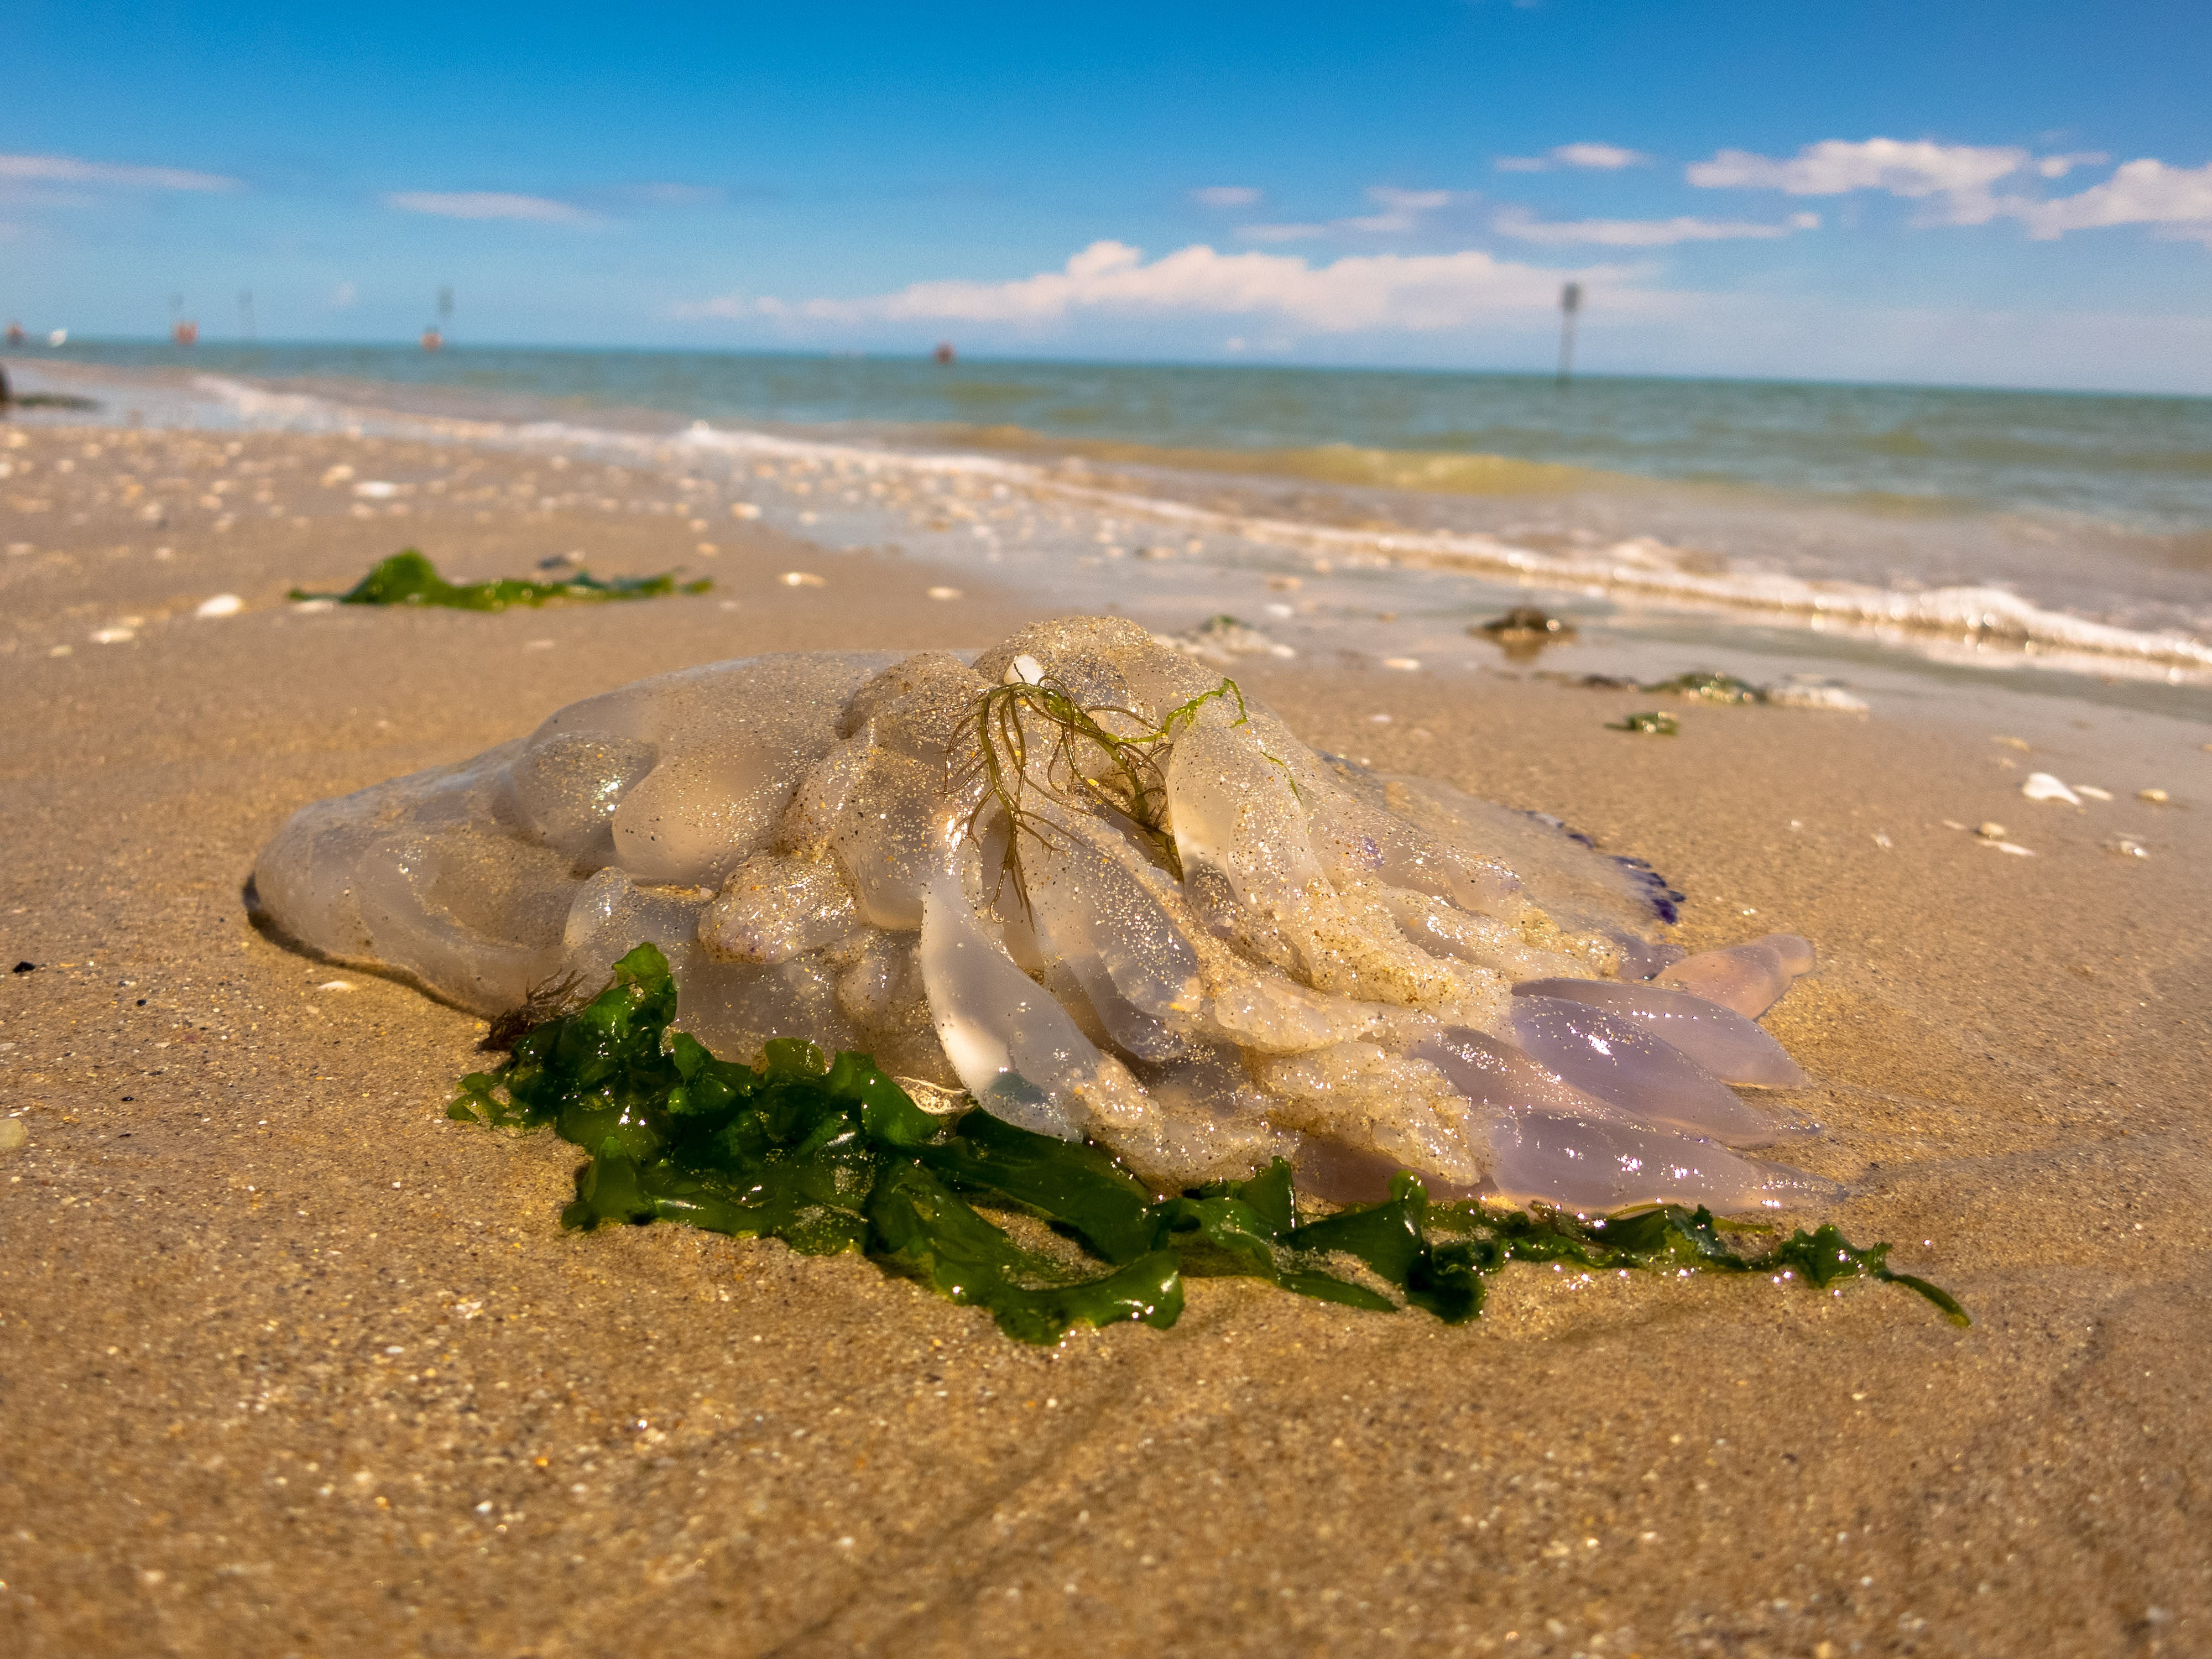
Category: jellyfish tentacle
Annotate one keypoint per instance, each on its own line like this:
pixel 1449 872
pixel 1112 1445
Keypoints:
pixel 1713 1035
pixel 1749 978
pixel 1607 1164
pixel 1625 1066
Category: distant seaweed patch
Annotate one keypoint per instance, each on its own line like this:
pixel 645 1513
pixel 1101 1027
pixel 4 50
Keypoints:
pixel 833 1155
pixel 408 578
pixel 1524 631
pixel 1702 685
pixel 46 400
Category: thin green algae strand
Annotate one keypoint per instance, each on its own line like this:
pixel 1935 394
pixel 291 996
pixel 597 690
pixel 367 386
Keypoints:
pixel 408 578
pixel 1125 773
pixel 832 1156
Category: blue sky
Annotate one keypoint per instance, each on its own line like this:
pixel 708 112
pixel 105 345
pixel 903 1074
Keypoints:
pixel 1974 192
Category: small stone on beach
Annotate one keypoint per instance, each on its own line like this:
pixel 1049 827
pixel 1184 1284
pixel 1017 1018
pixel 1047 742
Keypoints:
pixel 15 1134
pixel 222 604
pixel 1990 829
pixel 803 578
pixel 2156 797
pixel 944 593
pixel 2042 785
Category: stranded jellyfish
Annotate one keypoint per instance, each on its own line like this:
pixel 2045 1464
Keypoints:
pixel 1091 885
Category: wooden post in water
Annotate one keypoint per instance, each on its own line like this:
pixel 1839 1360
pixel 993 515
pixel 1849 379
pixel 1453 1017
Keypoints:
pixel 1571 302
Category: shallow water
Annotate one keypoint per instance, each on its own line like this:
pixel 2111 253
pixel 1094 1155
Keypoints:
pixel 2014 530
pixel 2136 461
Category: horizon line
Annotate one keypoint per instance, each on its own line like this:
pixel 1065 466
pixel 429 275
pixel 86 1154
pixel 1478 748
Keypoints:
pixel 31 352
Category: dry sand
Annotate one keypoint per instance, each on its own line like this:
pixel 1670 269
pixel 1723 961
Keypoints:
pixel 290 1363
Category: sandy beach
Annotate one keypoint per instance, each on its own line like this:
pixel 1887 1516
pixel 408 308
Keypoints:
pixel 305 1368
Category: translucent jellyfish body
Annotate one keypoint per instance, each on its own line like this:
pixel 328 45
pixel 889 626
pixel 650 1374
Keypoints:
pixel 1085 880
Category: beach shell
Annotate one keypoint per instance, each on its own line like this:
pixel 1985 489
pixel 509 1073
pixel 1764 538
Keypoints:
pixel 1084 879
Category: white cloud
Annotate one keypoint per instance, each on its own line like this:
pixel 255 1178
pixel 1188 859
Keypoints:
pixel 1402 211
pixel 1908 167
pixel 489 205
pixel 1522 226
pixel 1607 158
pixel 1225 196
pixel 2144 192
pixel 1293 232
pixel 1393 292
pixel 1956 180
pixel 2058 166
pixel 68 170
pixel 1604 158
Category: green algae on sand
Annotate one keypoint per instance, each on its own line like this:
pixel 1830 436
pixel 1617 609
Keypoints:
pixel 408 578
pixel 831 1155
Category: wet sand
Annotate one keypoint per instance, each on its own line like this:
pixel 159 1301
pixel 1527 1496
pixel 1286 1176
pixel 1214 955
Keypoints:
pixel 292 1365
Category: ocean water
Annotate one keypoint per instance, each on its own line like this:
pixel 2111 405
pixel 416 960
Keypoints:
pixel 2005 529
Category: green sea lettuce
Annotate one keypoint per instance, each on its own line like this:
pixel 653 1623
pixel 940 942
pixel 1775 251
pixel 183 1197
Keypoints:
pixel 408 578
pixel 831 1155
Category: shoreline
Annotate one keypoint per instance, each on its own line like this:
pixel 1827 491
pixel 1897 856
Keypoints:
pixel 1617 583
pixel 295 1363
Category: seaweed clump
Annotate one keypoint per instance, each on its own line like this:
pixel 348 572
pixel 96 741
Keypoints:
pixel 1523 631
pixel 1705 685
pixel 1652 724
pixel 408 578
pixel 832 1156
